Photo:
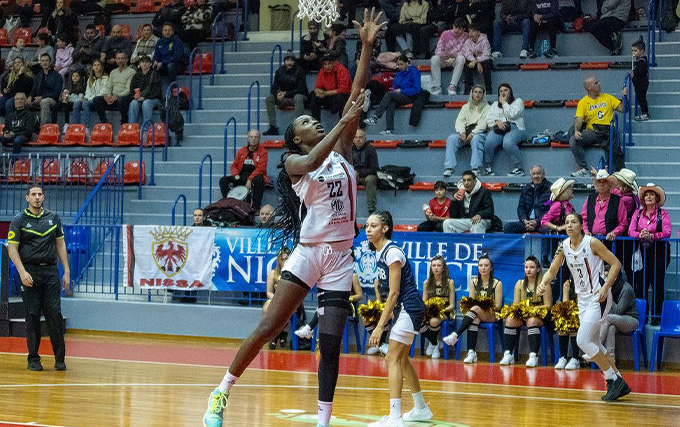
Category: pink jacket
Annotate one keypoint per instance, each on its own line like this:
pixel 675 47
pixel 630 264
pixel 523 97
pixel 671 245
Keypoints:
pixel 449 46
pixel 641 222
pixel 553 214
pixel 64 59
pixel 481 51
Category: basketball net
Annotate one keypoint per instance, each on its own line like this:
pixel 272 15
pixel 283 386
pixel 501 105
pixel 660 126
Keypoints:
pixel 321 11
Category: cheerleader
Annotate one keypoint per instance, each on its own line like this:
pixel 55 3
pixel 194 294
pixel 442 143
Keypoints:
pixel 484 285
pixel 525 290
pixel 566 337
pixel 585 256
pixel 405 306
pixel 273 278
pixel 438 285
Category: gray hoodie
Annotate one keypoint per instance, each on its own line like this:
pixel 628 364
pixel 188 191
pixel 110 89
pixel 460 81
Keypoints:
pixel 618 9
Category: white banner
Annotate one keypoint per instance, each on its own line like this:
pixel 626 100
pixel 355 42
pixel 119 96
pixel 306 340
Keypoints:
pixel 168 257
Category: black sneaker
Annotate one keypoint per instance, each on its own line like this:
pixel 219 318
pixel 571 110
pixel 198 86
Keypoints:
pixel 273 130
pixel 607 395
pixel 59 366
pixel 283 339
pixel 34 366
pixel 531 54
pixel 618 389
pixel 272 344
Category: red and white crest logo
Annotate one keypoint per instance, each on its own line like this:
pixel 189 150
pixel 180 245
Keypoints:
pixel 170 249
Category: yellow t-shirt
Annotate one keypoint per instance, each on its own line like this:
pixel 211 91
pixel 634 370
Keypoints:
pixel 599 111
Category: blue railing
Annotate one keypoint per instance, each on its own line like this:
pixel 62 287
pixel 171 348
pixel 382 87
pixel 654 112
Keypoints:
pixel 292 32
pixel 653 30
pixel 628 103
pixel 200 180
pixel 613 139
pixel 271 63
pixel 220 19
pixel 172 90
pixel 104 204
pixel 257 113
pixel 184 209
pixel 192 57
pixel 226 142
pixel 142 134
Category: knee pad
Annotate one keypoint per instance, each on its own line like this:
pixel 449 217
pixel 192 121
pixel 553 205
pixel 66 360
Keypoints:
pixel 334 307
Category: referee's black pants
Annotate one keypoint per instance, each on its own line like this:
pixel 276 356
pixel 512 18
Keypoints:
pixel 43 296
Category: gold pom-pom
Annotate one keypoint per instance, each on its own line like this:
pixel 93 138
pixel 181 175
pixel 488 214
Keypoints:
pixel 515 311
pixel 484 302
pixel 434 307
pixel 565 317
pixel 539 312
pixel 371 312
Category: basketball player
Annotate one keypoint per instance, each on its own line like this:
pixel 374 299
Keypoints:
pixel 407 308
pixel 585 257
pixel 317 172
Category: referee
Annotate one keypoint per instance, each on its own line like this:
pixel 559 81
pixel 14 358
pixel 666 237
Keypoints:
pixel 36 239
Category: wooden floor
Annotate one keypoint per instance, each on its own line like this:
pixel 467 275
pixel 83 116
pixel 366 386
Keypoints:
pixel 124 380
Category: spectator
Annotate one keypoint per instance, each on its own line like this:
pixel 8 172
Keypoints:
pixel 17 79
pixel 47 85
pixel 515 16
pixel 17 50
pixel 405 90
pixel 545 15
pixel 337 45
pixel 607 28
pixel 650 224
pixel 477 52
pixel 449 53
pixel 332 89
pixel 114 44
pixel 412 21
pixel 74 93
pixel 170 14
pixel 43 41
pixel 505 119
pixel 95 87
pixel 437 211
pixel 471 208
pixel 25 11
pixel 145 92
pixel 622 317
pixel 561 193
pixel 624 185
pixel 116 91
pixel 196 23
pixel 85 7
pixel 603 213
pixel 482 13
pixel 470 127
pixel 145 45
pixel 594 115
pixel 374 66
pixel 289 88
pixel 366 167
pixel 63 21
pixel 19 125
pixel 199 218
pixel 311 47
pixel 167 57
pixel 267 217
pixel 532 204
pixel 249 169
pixel 89 47
pixel 391 10
pixel 640 76
pixel 64 56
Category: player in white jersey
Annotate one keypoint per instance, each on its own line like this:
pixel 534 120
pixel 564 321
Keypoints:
pixel 318 173
pixel 585 256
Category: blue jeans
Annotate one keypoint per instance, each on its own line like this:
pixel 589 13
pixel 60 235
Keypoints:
pixel 17 142
pixel 500 27
pixel 146 106
pixel 77 106
pixel 509 142
pixel 453 144
pixel 9 106
pixel 87 107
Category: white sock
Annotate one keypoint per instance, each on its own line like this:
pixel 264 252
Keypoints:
pixel 609 374
pixel 419 400
pixel 324 413
pixel 227 382
pixel 395 408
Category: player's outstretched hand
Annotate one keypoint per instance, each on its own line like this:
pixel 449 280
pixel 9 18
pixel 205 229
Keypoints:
pixel 357 106
pixel 369 30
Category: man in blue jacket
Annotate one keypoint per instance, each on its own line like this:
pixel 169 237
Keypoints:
pixel 167 57
pixel 531 206
pixel 47 85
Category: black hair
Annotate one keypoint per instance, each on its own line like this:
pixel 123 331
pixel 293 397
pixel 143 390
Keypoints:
pixel 63 37
pixel 32 186
pixel 639 44
pixel 461 22
pixel 470 173
pixel 511 98
pixel 579 218
pixel 440 184
pixel 144 58
pixel 338 28
pixel 479 276
pixel 147 25
pixel 90 27
pixel 474 26
pixel 386 219
pixel 404 58
pixel 45 54
pixel 44 37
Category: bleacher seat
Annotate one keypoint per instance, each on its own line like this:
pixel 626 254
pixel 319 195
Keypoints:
pixel 128 135
pixel 144 6
pixel 490 328
pixel 159 137
pixel 670 328
pixel 385 143
pixel 21 33
pixel 437 143
pixel 50 171
pixel 49 135
pixel 20 171
pixel 131 173
pixel 102 30
pixel 206 66
pixel 421 186
pixel 79 172
pixel 4 37
pixel 125 30
pixel 102 134
pixel 100 169
pixel 74 135
pixel 638 335
pixel 594 65
pixel 273 144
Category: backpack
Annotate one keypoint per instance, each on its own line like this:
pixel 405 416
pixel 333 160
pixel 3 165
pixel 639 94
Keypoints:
pixel 175 118
pixel 395 177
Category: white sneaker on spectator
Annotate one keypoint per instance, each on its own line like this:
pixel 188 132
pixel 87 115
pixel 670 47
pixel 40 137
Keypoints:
pixel 373 350
pixel 416 414
pixel 386 132
pixel 451 90
pixel 436 354
pixel 471 357
pixel 524 54
pixel 448 172
pixel 581 173
pixel 488 172
pixel 367 100
pixel 63 130
pixel 533 360
pixel 383 349
pixel 517 172
pixel 429 349
pixel 451 339
pixel 305 332
pixel 435 90
pixel 561 363
pixel 371 121
pixel 496 55
pixel 573 364
pixel 508 358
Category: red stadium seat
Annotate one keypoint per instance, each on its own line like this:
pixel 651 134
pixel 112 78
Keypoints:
pixel 74 135
pixel 273 144
pixel 424 68
pixel 594 65
pixel 159 137
pixel 126 30
pixel 385 143
pixel 437 143
pixel 455 104
pixel 49 135
pixel 534 66
pixel 145 6
pixel 20 171
pixel 529 104
pixel 494 186
pixel 185 90
pixel 21 33
pixel 4 37
pixel 128 135
pixel 572 103
pixel 102 134
pixel 100 169
pixel 421 186
pixel 50 171
pixel 102 30
pixel 79 172
pixel 131 173
pixel 405 227
pixel 207 65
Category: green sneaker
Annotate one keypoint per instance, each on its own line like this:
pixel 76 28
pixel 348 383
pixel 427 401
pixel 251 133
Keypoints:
pixel 216 404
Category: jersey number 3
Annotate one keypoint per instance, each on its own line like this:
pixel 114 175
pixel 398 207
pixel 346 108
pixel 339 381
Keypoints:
pixel 335 188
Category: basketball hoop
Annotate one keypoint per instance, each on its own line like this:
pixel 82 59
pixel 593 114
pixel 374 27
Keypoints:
pixel 322 11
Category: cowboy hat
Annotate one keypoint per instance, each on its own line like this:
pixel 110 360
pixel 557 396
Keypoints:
pixel 626 176
pixel 601 174
pixel 559 187
pixel 655 188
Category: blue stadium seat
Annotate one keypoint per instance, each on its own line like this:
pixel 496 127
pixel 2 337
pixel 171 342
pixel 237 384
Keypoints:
pixel 638 335
pixel 670 328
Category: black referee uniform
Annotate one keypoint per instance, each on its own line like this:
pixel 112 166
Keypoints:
pixel 36 237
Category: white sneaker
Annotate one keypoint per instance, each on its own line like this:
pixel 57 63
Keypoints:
pixel 386 421
pixel 371 121
pixel 63 130
pixel 561 363
pixel 524 54
pixel 436 354
pixel 429 349
pixel 496 55
pixel 451 339
pixel 471 357
pixel 508 358
pixel 448 172
pixel 451 90
pixel 573 364
pixel 383 349
pixel 415 414
pixel 436 90
pixel 367 100
pixel 533 360
pixel 581 173
pixel 373 350
pixel 305 332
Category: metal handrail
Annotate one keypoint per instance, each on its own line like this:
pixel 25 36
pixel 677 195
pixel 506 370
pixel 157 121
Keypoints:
pixel 628 111
pixel 652 30
pixel 271 63
pixel 219 19
pixel 172 90
pixel 174 207
pixel 613 131
pixel 117 158
pixel 292 31
pixel 200 181
pixel 250 92
pixel 192 56
pixel 226 142
pixel 141 153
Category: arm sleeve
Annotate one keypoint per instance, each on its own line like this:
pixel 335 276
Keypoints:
pixel 515 110
pixel 615 102
pixel 441 43
pixel 177 51
pixel 482 125
pixel 344 80
pixel 461 120
pixel 422 16
pixel 14 234
pixel 374 164
pixel 412 87
pixel 522 213
pixel 486 205
pixel 261 165
pixel 394 254
pixel 581 109
pixel 632 227
pixel 584 215
pixel 550 216
pixel 486 50
pixel 467 50
pixel 128 80
pixel 301 85
pixel 238 162
pixel 60 227
pixel 275 85
pixel 622 216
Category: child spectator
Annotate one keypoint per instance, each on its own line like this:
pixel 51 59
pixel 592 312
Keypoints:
pixel 640 75
pixel 437 210
pixel 17 50
pixel 545 15
pixel 43 41
pixel 64 57
pixel 332 88
pixel 477 52
pixel 72 95
pixel 412 26
pixel 449 53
